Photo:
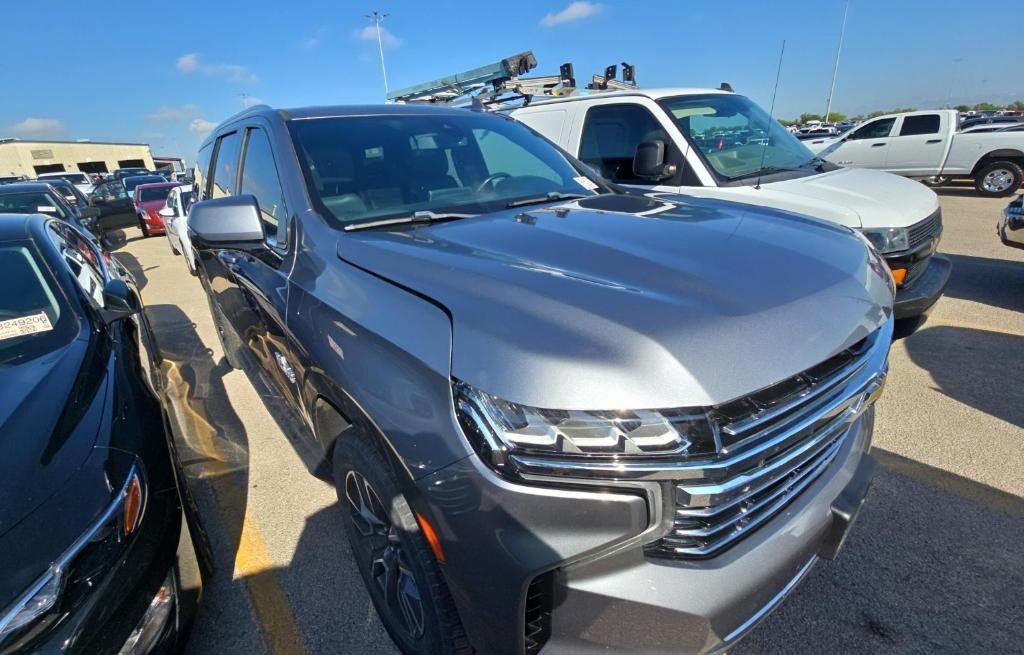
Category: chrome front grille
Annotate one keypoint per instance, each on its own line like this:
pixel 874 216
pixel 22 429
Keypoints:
pixel 774 444
pixel 924 230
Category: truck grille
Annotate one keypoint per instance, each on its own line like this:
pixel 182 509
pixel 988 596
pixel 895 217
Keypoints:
pixel 774 444
pixel 915 271
pixel 924 230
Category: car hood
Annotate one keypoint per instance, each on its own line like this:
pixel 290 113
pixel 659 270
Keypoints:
pixel 625 301
pixel 50 412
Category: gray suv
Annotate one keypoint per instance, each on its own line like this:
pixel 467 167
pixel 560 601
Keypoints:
pixel 560 417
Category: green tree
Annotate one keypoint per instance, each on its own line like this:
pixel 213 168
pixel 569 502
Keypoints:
pixel 1016 105
pixel 985 106
pixel 809 117
pixel 786 122
pixel 835 117
pixel 963 108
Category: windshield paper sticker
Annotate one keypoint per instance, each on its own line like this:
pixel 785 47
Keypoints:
pixel 586 183
pixel 19 327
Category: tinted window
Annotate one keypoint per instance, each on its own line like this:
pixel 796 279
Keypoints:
pixel 874 130
pixel 81 259
pixel 201 171
pixel 131 182
pixel 226 167
pixel 159 193
pixel 31 202
pixel 925 124
pixel 34 315
pixel 374 167
pixel 611 134
pixel 259 177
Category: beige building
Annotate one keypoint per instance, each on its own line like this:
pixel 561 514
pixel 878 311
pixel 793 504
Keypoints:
pixel 30 158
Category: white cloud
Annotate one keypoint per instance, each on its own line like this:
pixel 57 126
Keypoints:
pixel 315 40
pixel 39 128
pixel 387 39
pixel 184 112
pixel 190 63
pixel 201 126
pixel 575 11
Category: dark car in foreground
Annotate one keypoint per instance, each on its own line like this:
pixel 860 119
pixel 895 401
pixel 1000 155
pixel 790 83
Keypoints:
pixel 50 199
pixel 97 554
pixel 559 416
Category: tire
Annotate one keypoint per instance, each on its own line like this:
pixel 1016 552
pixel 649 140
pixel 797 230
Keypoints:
pixel 421 618
pixel 998 179
pixel 145 230
pixel 229 341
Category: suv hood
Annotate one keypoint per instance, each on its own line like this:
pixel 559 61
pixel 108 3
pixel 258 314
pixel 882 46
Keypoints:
pixel 624 301
pixel 854 197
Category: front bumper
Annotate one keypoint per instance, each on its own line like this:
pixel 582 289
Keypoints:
pixel 917 297
pixel 607 594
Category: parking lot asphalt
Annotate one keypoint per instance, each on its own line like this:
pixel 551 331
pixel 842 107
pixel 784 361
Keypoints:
pixel 934 564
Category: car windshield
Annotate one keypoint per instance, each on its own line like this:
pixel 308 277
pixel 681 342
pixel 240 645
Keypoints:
pixel 131 182
pixel 736 137
pixel 156 193
pixel 30 202
pixel 34 316
pixel 369 168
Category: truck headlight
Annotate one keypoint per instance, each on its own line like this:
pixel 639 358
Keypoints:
pixel 888 239
pixel 502 431
pixel 91 555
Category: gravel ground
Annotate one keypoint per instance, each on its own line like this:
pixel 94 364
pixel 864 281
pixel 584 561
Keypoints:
pixel 934 563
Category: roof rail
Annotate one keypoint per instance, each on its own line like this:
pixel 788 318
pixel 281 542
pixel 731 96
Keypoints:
pixel 500 83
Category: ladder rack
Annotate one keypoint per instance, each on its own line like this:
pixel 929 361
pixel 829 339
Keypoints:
pixel 501 83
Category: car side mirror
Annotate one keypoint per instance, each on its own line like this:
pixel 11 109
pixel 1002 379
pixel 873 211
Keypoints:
pixel 119 301
pixel 166 212
pixel 226 222
pixel 88 213
pixel 649 162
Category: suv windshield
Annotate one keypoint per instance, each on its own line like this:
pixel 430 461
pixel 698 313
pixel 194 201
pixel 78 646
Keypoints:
pixel 364 168
pixel 734 135
pixel 34 316
pixel 31 202
pixel 157 193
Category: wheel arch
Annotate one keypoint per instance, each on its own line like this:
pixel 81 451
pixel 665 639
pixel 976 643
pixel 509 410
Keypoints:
pixel 1003 154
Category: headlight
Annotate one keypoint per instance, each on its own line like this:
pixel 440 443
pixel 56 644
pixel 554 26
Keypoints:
pixel 506 433
pixel 888 239
pixel 88 558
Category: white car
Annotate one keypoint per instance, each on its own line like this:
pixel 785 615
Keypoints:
pixel 930 144
pixel 82 181
pixel 717 144
pixel 175 215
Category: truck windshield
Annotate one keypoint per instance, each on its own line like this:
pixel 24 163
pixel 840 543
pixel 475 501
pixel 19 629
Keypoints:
pixel 369 168
pixel 735 136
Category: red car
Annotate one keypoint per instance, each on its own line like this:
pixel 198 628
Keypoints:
pixel 149 200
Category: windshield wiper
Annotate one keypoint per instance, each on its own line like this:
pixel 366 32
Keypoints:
pixel 551 197
pixel 415 217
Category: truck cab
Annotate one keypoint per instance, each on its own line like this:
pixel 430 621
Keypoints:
pixel 718 144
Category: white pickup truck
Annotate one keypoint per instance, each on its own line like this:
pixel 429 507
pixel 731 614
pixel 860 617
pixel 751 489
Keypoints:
pixel 717 144
pixel 929 144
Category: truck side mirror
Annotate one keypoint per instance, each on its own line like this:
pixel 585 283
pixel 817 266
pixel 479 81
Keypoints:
pixel 225 223
pixel 119 301
pixel 649 162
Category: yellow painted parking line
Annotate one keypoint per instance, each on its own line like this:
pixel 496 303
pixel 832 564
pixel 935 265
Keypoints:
pixel 252 566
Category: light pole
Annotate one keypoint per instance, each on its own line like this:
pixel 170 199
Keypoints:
pixel 835 69
pixel 377 17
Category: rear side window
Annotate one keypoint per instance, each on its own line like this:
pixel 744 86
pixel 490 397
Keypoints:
pixel 226 166
pixel 202 170
pixel 924 124
pixel 259 177
pixel 611 134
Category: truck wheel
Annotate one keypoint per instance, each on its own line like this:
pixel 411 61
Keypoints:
pixel 399 569
pixel 1000 178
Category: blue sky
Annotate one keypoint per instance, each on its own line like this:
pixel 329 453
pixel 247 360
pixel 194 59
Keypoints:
pixel 161 73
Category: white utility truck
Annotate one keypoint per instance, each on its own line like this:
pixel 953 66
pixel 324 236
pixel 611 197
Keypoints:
pixel 711 143
pixel 930 145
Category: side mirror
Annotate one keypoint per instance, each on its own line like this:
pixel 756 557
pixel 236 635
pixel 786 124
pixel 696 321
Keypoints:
pixel 649 162
pixel 119 301
pixel 225 222
pixel 166 212
pixel 88 212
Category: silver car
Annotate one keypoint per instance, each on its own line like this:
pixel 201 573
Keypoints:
pixel 175 215
pixel 560 416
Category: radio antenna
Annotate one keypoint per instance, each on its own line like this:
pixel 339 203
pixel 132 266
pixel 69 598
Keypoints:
pixel 771 117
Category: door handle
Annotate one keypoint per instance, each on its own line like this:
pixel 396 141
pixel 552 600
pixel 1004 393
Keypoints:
pixel 229 260
pixel 934 141
pixel 877 145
